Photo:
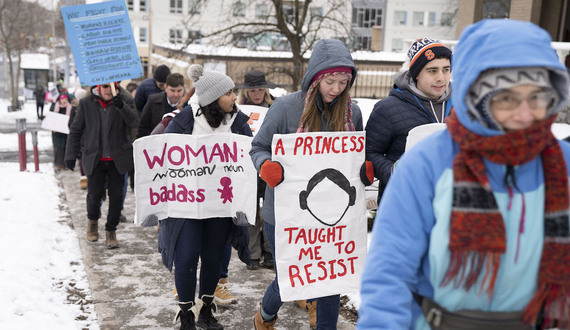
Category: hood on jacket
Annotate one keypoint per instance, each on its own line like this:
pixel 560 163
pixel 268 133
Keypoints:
pixel 327 53
pixel 495 43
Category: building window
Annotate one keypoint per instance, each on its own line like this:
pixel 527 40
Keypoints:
pixel 261 10
pixel 176 6
pixel 446 19
pixel 239 9
pixel 418 18
pixel 142 5
pixel 366 17
pixel 397 45
pixel 316 13
pixel 194 37
pixel 431 19
pixel 131 5
pixel 362 43
pixel 142 35
pixel 496 8
pixel 399 17
pixel 176 36
pixel 194 7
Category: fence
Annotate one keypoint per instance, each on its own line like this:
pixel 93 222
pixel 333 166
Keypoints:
pixel 372 81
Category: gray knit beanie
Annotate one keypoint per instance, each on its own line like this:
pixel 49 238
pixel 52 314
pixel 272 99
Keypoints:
pixel 210 85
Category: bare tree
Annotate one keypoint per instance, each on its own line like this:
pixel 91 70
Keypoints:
pixel 20 26
pixel 300 23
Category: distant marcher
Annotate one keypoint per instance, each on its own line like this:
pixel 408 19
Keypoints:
pixel 40 94
pixel 150 86
pixel 420 95
pixel 61 106
pixel 132 88
pixel 472 230
pixel 184 241
pixel 255 91
pixel 161 103
pixel 101 130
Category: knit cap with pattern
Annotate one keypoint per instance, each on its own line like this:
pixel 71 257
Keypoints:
pixel 493 81
pixel 210 85
pixel 423 51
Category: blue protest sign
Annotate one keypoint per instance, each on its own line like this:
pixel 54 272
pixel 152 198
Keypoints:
pixel 102 42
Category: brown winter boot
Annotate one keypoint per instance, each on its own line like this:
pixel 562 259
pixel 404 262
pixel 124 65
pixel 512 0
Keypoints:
pixel 312 309
pixel 111 239
pixel 92 230
pixel 83 183
pixel 260 324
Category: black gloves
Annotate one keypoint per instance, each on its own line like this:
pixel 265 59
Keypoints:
pixel 117 102
pixel 70 164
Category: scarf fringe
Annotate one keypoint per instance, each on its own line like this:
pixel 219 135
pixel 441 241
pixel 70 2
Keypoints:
pixel 556 301
pixel 458 274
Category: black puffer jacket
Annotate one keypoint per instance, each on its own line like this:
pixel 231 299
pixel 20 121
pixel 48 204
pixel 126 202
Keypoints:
pixel 391 120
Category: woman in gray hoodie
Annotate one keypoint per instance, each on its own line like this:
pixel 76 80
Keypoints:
pixel 323 104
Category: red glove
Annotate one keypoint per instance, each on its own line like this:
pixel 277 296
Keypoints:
pixel 271 173
pixel 367 173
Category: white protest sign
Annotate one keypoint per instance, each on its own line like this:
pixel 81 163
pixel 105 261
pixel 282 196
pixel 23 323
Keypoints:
pixel 418 133
pixel 56 122
pixel 194 176
pixel 256 115
pixel 320 214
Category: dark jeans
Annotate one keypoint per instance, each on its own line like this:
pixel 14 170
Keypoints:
pixel 328 307
pixel 204 240
pixel 225 261
pixel 40 110
pixel 105 171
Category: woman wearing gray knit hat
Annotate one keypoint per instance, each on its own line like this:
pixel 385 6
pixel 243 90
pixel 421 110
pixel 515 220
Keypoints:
pixel 184 241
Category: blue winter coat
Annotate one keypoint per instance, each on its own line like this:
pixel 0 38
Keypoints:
pixel 285 113
pixel 409 246
pixel 170 227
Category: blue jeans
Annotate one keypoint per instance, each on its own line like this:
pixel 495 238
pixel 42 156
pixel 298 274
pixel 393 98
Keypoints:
pixel 205 240
pixel 328 307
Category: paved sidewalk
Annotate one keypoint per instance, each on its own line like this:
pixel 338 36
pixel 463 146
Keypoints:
pixel 131 289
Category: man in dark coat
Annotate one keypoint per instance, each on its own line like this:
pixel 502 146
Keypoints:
pixel 151 86
pixel 101 130
pixel 420 95
pixel 160 104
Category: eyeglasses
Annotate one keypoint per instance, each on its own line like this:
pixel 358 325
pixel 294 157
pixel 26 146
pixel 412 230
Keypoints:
pixel 105 86
pixel 507 100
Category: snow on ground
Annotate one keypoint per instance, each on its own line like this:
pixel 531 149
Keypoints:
pixel 42 277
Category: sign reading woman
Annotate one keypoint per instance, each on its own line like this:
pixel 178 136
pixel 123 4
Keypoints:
pixel 194 176
pixel 320 214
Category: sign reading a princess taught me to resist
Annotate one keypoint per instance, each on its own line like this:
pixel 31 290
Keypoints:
pixel 195 177
pixel 320 213
pixel 102 42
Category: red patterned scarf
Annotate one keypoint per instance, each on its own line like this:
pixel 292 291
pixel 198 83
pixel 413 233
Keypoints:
pixel 477 237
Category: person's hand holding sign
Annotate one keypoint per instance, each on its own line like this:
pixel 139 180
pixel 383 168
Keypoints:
pixel 367 173
pixel 117 102
pixel 271 173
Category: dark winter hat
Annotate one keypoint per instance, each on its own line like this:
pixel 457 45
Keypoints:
pixel 424 50
pixel 160 73
pixel 256 79
pixel 210 85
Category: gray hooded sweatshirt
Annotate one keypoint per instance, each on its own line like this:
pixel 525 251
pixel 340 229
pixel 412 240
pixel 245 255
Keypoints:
pixel 285 113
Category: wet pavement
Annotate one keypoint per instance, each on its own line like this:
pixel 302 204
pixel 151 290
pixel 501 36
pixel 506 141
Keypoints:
pixel 131 289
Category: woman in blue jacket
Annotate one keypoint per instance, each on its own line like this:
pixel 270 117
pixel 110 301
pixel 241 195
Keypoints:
pixel 212 110
pixel 478 230
pixel 323 104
